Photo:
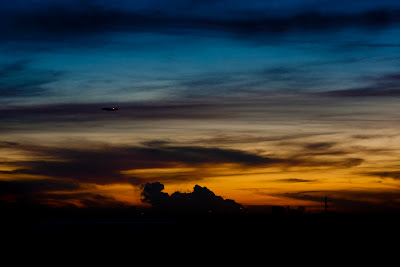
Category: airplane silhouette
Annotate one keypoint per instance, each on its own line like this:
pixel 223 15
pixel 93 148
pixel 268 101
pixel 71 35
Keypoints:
pixel 111 109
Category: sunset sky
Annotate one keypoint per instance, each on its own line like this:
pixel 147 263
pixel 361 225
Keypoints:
pixel 263 102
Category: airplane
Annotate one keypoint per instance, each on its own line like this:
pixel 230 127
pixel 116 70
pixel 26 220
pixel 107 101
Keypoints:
pixel 111 109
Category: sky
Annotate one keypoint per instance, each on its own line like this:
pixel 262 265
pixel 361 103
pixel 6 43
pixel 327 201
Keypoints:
pixel 263 102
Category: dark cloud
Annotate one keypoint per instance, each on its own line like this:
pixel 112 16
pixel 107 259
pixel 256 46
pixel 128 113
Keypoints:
pixel 368 136
pixel 6 144
pixel 297 180
pixel 332 163
pixel 218 155
pixel 388 174
pixel 91 112
pixel 108 164
pixel 322 154
pixel 248 138
pixel 156 143
pixel 315 160
pixel 313 21
pixel 69 168
pixel 352 162
pixel 201 200
pixel 86 200
pixel 50 192
pixel 363 92
pixel 10 68
pixel 53 192
pixel 102 164
pixel 316 196
pixel 21 187
pixel 319 146
pixel 51 21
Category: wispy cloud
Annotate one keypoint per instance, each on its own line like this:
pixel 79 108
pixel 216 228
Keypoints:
pixel 104 164
pixel 297 180
pixel 75 116
pixel 109 164
pixel 88 200
pixel 17 79
pixel 53 192
pixel 382 86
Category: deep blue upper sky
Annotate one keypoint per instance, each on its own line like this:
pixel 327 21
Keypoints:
pixel 102 51
pixel 192 6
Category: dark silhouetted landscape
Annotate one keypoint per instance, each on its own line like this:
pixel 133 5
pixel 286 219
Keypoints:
pixel 200 213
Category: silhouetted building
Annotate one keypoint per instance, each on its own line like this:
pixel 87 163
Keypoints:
pixel 278 211
pixel 326 204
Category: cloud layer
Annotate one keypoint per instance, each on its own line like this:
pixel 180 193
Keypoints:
pixel 77 18
pixel 103 164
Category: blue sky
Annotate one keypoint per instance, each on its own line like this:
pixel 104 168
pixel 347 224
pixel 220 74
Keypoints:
pixel 148 51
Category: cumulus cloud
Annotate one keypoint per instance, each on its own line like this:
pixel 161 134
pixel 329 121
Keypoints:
pixel 201 200
pixel 152 194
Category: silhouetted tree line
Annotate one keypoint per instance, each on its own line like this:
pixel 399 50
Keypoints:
pixel 201 200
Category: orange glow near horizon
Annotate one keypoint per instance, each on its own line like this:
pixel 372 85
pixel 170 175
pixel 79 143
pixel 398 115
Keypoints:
pixel 252 168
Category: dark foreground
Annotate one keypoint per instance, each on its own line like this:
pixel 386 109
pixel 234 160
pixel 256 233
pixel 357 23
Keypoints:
pixel 247 238
pixel 131 224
